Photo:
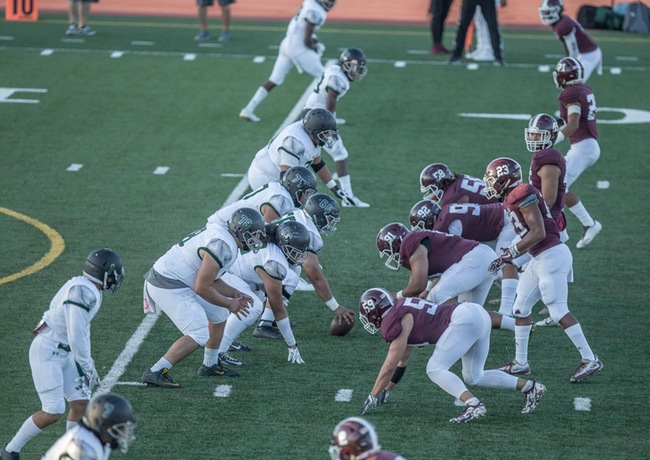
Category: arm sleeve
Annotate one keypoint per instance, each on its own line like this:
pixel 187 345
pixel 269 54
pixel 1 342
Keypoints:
pixel 78 305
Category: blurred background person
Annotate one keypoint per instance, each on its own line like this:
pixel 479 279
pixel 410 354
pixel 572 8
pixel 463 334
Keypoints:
pixel 203 19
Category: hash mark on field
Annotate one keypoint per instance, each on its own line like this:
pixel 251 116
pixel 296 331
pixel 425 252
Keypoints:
pixel 160 170
pixel 141 43
pixel 602 184
pixel 189 57
pixel 72 40
pixel 627 58
pixel 258 59
pixel 47 52
pixel 209 45
pixel 544 68
pixel 133 384
pixel 399 64
pixel 582 404
pixel 117 54
pixel 6 38
pixel 222 391
pixel 74 167
pixel 343 395
pixel 615 70
pixel 232 175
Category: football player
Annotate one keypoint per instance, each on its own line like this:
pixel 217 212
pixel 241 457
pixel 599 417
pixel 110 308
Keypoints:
pixel 60 354
pixel 298 144
pixel 356 438
pixel 186 283
pixel 438 183
pixel 577 43
pixel 107 424
pixel 461 265
pixel 578 109
pixel 261 276
pixel 300 48
pixel 547 274
pixel 486 223
pixel 460 331
pixel 333 85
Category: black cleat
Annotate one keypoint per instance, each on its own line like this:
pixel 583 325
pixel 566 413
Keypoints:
pixel 160 379
pixel 216 370
pixel 5 455
pixel 267 332
pixel 239 346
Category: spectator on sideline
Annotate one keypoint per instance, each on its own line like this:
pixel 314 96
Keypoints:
pixel 577 43
pixel 467 11
pixel 203 19
pixel 78 12
pixel 439 9
pixel 483 51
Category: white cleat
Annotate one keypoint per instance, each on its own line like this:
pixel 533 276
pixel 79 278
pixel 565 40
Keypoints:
pixel 356 203
pixel 249 116
pixel 340 121
pixel 588 234
pixel 304 286
pixel 547 322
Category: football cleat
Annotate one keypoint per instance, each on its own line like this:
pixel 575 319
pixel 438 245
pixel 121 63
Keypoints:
pixel 267 332
pixel 160 379
pixel 588 234
pixel 6 455
pixel 586 369
pixel 236 345
pixel 532 397
pixel 71 30
pixel 470 413
pixel 248 115
pixel 202 35
pixel 355 203
pixel 305 286
pixel 228 359
pixel 340 121
pixel 87 30
pixel 216 370
pixel 547 322
pixel 514 368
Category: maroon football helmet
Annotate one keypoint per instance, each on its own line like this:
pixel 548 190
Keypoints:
pixel 373 306
pixel 501 175
pixel 389 240
pixel 434 180
pixel 549 11
pixel 568 71
pixel 423 215
pixel 541 132
pixel 352 437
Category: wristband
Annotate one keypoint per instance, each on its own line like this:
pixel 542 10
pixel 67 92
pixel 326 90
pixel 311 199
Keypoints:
pixel 429 286
pixel 399 295
pixel 332 304
pixel 331 184
pixel 560 137
pixel 514 252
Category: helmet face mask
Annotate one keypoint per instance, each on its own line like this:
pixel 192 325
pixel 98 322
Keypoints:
pixel 353 437
pixel 389 240
pixel 324 211
pixel 293 239
pixel 501 176
pixel 541 133
pixel 248 226
pixel 549 11
pixel 374 304
pixel 320 124
pixel 353 63
pixel 434 180
pixel 568 71
pixel 110 417
pixel 301 183
pixel 423 215
pixel 327 4
pixel 104 267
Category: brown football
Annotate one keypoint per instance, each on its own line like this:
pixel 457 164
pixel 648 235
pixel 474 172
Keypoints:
pixel 341 328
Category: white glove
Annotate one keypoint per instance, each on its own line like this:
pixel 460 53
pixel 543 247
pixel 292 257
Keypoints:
pixel 320 48
pixel 91 379
pixel 371 403
pixel 294 356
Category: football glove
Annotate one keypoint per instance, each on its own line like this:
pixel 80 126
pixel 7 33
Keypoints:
pixel 342 195
pixel 371 403
pixel 294 356
pixel 320 48
pixel 383 397
pixel 91 379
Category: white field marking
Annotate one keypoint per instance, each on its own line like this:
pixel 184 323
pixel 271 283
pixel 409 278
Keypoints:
pixel 582 404
pixel 209 45
pixel 74 167
pixel 141 43
pixel 343 395
pixel 544 68
pixel 232 175
pixel 222 391
pixel 399 64
pixel 160 170
pixel 72 40
pixel 134 343
pixel 6 38
pixel 259 59
pixel 602 184
pixel 6 93
pixel 627 58
pixel 554 56
pixel 472 66
pixel 47 52
pixel 503 116
pixel 132 384
pixel 117 54
pixel 615 70
pixel 189 57
pixel 417 52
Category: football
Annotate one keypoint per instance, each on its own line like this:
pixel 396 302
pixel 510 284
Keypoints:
pixel 340 329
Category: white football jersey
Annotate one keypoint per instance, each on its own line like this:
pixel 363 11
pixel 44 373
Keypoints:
pixel 310 11
pixel 272 194
pixel 299 215
pixel 182 261
pixel 78 443
pixel 69 316
pixel 291 147
pixel 270 258
pixel 335 79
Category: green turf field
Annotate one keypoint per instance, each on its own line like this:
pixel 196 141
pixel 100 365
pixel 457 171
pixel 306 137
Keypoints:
pixel 122 116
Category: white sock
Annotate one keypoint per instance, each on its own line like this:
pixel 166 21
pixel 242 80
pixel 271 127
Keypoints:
pixel 528 386
pixel 522 335
pixel 508 291
pixel 211 356
pixel 507 323
pixel 345 185
pixel 234 328
pixel 70 424
pixel 27 432
pixel 285 329
pixel 161 364
pixel 257 99
pixel 472 401
pixel 578 338
pixel 581 213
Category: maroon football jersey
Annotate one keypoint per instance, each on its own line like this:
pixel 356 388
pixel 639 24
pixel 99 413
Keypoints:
pixel 444 250
pixel 481 222
pixel 465 185
pixel 555 158
pixel 430 321
pixel 384 455
pixel 566 26
pixel 526 195
pixel 583 95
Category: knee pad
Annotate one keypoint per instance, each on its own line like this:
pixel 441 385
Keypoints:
pixel 52 402
pixel 200 335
